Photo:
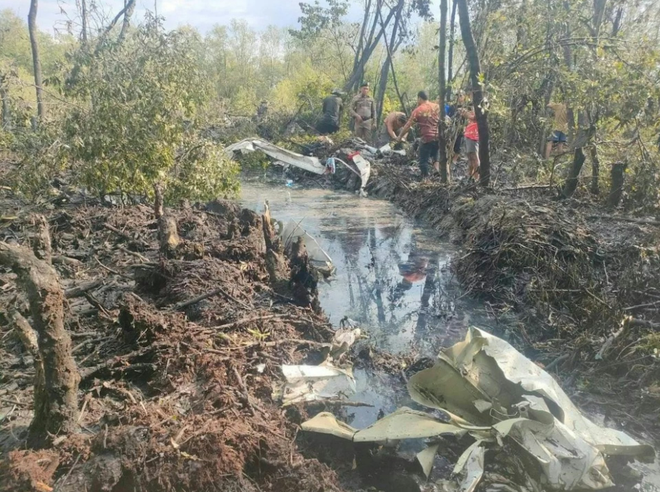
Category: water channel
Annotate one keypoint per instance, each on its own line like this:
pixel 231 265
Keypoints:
pixel 393 278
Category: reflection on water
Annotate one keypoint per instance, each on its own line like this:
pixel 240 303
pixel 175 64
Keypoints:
pixel 392 277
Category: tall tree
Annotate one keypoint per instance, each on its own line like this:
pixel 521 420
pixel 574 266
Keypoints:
pixel 442 130
pixel 391 45
pixel 36 61
pixel 452 39
pixel 477 91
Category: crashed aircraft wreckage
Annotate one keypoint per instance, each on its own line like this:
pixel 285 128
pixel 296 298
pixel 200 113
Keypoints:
pixel 487 389
pixel 308 163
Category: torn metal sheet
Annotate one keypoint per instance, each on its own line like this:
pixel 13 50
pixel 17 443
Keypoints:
pixel 426 458
pixel 470 466
pixel 444 388
pixel 486 381
pixel 485 358
pixel 405 423
pixel 311 383
pixel 317 255
pixel 343 340
pixel 364 167
pixel 308 163
pixel 490 390
pixel 326 423
pixel 567 461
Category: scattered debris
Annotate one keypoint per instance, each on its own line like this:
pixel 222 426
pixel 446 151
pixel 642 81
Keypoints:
pixel 308 163
pixel 311 383
pixel 488 390
pixel 318 258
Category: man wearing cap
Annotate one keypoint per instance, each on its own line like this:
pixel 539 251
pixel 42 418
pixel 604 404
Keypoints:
pixel 332 110
pixel 363 110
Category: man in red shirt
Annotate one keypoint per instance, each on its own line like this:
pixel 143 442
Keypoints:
pixel 426 115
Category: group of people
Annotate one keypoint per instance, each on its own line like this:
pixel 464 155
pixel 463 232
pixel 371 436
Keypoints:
pixel 396 126
pixel 425 117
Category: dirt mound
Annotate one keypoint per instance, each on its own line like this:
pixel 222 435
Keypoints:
pixel 178 355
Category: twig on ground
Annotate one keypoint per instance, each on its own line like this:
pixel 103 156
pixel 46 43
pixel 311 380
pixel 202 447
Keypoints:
pixel 346 403
pixel 81 289
pixel 249 320
pixel 182 305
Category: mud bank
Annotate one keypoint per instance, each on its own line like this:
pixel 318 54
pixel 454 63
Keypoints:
pixel 179 346
pixel 584 281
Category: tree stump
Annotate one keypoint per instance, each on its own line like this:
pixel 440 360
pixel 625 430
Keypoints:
pixel 275 262
pixel 169 237
pixel 572 180
pixel 617 174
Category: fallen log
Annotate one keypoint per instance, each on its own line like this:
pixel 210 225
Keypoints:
pixel 56 408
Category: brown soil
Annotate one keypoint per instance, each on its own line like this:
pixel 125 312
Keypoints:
pixel 171 397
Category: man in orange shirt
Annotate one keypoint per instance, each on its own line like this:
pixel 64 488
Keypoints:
pixel 426 115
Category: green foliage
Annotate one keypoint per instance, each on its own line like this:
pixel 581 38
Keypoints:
pixel 136 110
pixel 316 18
pixel 134 131
pixel 43 157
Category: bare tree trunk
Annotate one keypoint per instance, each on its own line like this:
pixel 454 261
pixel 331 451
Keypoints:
pixel 442 127
pixel 158 201
pixel 361 39
pixel 389 63
pixel 83 15
pixel 595 170
pixel 477 95
pixel 616 187
pixel 36 61
pixel 358 69
pixel 130 8
pixel 572 181
pixel 4 97
pixel 56 409
pixel 616 24
pixel 598 17
pixel 452 40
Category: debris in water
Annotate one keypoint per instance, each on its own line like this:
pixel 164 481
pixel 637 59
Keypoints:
pixel 489 390
pixel 311 383
pixel 319 259
pixel 308 163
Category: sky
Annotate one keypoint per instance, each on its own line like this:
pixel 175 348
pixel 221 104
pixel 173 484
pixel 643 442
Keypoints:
pixel 202 14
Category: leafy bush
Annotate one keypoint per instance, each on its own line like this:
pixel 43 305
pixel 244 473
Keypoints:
pixel 138 127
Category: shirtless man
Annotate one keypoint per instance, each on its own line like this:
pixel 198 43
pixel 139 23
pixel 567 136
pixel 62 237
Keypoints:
pixel 393 123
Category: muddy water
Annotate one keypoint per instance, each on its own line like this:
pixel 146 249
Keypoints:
pixel 392 279
pixel 393 276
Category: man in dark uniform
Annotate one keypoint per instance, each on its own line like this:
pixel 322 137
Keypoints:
pixel 332 111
